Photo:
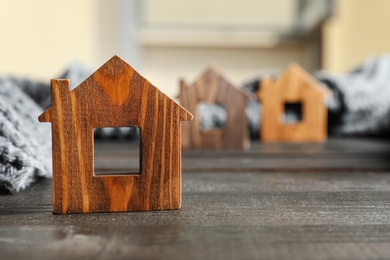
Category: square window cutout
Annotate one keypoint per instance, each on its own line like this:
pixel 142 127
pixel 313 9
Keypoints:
pixel 117 151
pixel 213 116
pixel 292 113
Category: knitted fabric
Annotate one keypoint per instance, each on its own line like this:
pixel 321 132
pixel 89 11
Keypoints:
pixel 360 105
pixel 25 145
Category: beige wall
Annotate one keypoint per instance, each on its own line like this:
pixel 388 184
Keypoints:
pixel 40 38
pixel 360 28
pixel 277 13
pixel 165 65
pixel 181 38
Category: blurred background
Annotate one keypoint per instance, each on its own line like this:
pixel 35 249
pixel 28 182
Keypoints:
pixel 169 39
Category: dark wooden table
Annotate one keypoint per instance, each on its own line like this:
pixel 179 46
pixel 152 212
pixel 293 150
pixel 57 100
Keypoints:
pixel 276 201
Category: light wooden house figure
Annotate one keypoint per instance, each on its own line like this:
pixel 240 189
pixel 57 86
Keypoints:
pixel 294 86
pixel 213 87
pixel 114 96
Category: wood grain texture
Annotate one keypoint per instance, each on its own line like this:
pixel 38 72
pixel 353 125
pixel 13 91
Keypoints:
pixel 337 155
pixel 215 88
pixel 114 96
pixel 225 215
pixel 295 85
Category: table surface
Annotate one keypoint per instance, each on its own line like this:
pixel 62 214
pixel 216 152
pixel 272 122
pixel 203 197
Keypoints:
pixel 276 201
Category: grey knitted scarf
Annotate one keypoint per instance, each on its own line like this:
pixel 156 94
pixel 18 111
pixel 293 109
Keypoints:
pixel 25 144
pixel 25 149
pixel 360 105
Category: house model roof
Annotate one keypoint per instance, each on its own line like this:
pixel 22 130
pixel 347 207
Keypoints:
pixel 295 74
pixel 119 81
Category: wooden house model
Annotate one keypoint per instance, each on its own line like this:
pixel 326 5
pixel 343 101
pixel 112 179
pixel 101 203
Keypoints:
pixel 214 87
pixel 114 96
pixel 294 86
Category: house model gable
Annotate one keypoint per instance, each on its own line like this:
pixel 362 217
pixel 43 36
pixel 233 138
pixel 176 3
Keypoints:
pixel 114 96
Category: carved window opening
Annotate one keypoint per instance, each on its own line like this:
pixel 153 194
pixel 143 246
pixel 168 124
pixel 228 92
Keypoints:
pixel 109 161
pixel 212 116
pixel 292 113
